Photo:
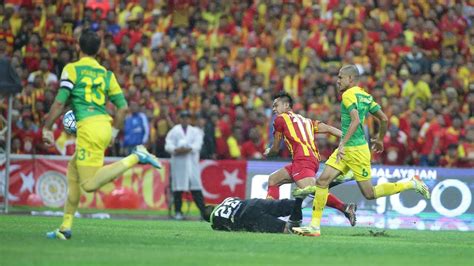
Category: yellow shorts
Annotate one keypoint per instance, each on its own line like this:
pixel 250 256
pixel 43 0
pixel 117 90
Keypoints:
pixel 93 137
pixel 356 158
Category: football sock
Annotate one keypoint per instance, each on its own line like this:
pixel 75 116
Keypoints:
pixel 387 189
pixel 67 222
pixel 130 160
pixel 73 196
pixel 335 202
pixel 108 173
pixel 273 192
pixel 320 198
pixel 296 214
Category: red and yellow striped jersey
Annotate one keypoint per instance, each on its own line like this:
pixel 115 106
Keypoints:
pixel 298 133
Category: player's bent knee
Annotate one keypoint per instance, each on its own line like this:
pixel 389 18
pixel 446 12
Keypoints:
pixel 88 188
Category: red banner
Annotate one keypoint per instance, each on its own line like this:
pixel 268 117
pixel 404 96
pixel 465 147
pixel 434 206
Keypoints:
pixel 42 181
pixel 222 179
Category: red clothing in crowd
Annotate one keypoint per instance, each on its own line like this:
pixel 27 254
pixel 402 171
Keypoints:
pixel 251 150
pixel 449 161
pixel 393 29
pixel 222 134
pixel 457 25
pixel 395 152
pixel 29 140
pixel 467 154
pixel 135 37
pixel 433 131
pixel 450 136
pixel 429 40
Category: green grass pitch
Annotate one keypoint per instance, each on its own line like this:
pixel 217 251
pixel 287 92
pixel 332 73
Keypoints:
pixel 160 242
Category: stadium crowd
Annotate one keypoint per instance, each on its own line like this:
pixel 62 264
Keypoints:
pixel 224 60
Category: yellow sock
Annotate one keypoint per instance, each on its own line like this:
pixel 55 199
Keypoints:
pixel 319 202
pixel 67 222
pixel 130 160
pixel 387 189
pixel 73 196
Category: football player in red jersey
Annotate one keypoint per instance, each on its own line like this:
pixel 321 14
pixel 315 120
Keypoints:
pixel 298 133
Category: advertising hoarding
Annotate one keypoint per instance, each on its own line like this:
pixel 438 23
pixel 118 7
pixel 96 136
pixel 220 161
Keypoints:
pixel 450 206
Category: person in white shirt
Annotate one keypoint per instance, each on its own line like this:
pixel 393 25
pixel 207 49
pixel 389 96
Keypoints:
pixel 184 143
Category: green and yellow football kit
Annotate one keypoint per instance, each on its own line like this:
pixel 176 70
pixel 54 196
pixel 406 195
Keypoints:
pixel 357 154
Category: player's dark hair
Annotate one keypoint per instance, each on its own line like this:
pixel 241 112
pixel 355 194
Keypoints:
pixel 89 42
pixel 207 212
pixel 285 97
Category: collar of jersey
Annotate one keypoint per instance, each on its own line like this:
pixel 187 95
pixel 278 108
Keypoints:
pixel 356 88
pixel 89 59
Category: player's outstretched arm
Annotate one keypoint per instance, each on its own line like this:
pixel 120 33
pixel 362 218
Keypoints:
pixel 324 128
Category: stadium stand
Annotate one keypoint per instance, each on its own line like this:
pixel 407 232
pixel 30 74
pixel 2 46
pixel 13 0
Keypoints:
pixel 223 60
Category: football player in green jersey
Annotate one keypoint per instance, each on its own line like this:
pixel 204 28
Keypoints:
pixel 353 152
pixel 88 86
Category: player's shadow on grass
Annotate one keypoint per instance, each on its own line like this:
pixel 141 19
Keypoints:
pixel 374 234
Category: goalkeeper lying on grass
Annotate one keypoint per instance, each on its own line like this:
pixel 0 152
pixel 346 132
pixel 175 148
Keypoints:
pixel 253 215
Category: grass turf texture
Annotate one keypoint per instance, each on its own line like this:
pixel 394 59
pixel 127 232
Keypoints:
pixel 140 242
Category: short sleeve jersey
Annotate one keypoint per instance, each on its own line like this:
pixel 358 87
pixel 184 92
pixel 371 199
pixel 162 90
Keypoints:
pixel 88 86
pixel 363 102
pixel 298 133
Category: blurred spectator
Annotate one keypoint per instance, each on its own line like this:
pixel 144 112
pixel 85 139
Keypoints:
pixel 417 91
pixel 395 145
pixel 254 147
pixel 28 133
pixel 223 132
pixel 429 136
pixel 452 134
pixel 416 60
pixel 48 77
pixel 136 127
pixel 208 150
pixel 64 57
pixel 161 126
pixel 451 158
pixel 466 149
pixel 234 142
